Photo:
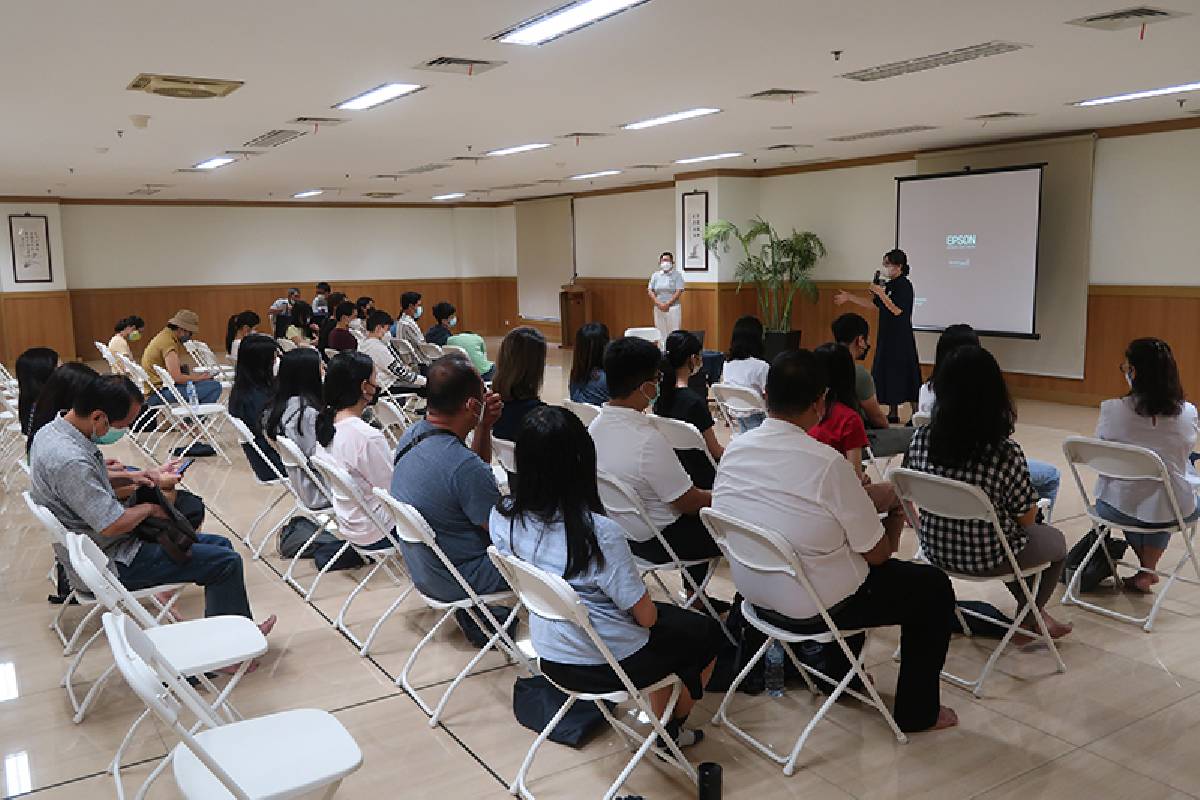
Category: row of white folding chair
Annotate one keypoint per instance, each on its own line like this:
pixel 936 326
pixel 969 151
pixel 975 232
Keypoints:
pixel 206 418
pixel 649 334
pixel 293 753
pixel 12 440
pixel 734 402
pixel 151 431
pixel 207 360
pixel 293 457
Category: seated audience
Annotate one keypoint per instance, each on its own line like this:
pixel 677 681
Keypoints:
pixel 166 350
pixel 363 307
pixel 253 386
pixel 57 394
pixel 361 450
pixel 452 485
pixel 125 331
pixel 239 327
pixel 1045 476
pixel 320 303
pixel 393 373
pixel 407 330
pixel 555 521
pixel 853 331
pixel 518 379
pixel 780 478
pixel 586 383
pixel 335 300
pixel 33 369
pixel 631 449
pixel 745 366
pixel 69 477
pixel 293 412
pixel 302 331
pixel 1154 415
pixel 339 336
pixel 969 440
pixel 443 313
pixel 677 400
pixel 841 427
pixel 280 313
pixel 476 349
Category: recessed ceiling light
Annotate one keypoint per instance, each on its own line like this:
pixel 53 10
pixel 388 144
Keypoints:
pixel 450 196
pixel 716 157
pixel 213 163
pixel 678 116
pixel 378 95
pixel 307 193
pixel 521 148
pixel 549 26
pixel 601 174
pixel 1121 98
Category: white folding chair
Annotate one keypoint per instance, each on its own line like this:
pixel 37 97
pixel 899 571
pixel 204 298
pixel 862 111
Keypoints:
pixel 293 458
pixel 114 366
pixel 734 402
pixel 411 527
pixel 432 350
pixel 455 349
pixel 681 435
pixel 764 554
pixel 12 440
pixel 286 754
pixel 193 647
pixel 921 418
pixel 285 345
pixel 649 334
pixel 944 497
pixel 393 419
pixel 625 507
pixel 206 417
pixel 388 559
pixel 552 598
pixel 207 360
pixel 585 411
pixel 331 352
pixel 1126 462
pixel 505 453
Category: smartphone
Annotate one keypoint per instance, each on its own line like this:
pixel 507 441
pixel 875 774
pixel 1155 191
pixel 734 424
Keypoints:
pixel 184 466
pixel 876 279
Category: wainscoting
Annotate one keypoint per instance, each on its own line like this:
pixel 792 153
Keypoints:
pixel 36 319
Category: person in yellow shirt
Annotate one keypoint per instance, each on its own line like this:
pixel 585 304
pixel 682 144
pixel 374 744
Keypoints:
pixel 166 350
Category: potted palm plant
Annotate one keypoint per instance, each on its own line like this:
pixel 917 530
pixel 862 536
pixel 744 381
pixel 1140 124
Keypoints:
pixel 778 267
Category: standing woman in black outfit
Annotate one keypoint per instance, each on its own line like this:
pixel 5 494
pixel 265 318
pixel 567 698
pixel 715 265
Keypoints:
pixel 896 371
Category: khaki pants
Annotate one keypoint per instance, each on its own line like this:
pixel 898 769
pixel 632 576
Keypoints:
pixel 668 321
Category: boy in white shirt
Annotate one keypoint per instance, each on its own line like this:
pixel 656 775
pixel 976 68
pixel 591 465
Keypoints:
pixel 394 374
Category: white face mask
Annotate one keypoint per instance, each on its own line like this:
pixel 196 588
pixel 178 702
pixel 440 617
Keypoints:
pixel 667 266
pixel 417 314
pixel 450 323
pixel 1128 378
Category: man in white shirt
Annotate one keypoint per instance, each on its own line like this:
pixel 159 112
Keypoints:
pixel 280 312
pixel 393 374
pixel 407 329
pixel 778 477
pixel 631 449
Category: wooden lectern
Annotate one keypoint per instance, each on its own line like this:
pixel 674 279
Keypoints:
pixel 574 309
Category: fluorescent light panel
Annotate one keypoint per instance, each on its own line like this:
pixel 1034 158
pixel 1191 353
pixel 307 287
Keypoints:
pixel 213 163
pixel 450 196
pixel 604 173
pixel 564 19
pixel 1121 98
pixel 307 193
pixel 377 96
pixel 678 116
pixel 521 148
pixel 716 157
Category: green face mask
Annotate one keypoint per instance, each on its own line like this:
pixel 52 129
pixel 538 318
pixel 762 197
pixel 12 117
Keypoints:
pixel 135 335
pixel 113 435
pixel 653 399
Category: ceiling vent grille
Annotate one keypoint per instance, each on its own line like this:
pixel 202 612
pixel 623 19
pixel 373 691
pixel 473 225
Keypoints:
pixel 321 121
pixel 583 135
pixel 182 86
pixel 382 195
pixel 854 137
pixel 472 159
pixel 922 63
pixel 243 153
pixel 1000 115
pixel 646 166
pixel 786 146
pixel 1126 18
pixel 421 170
pixel 150 189
pixel 513 186
pixel 459 66
pixel 273 138
pixel 778 95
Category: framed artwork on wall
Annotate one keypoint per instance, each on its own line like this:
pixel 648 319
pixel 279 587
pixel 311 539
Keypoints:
pixel 29 236
pixel 695 218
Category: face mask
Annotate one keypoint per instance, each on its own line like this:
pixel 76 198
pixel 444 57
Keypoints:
pixel 185 336
pixel 375 396
pixel 653 399
pixel 135 335
pixel 866 349
pixel 667 266
pixel 450 323
pixel 417 314
pixel 479 416
pixel 113 435
pixel 1128 378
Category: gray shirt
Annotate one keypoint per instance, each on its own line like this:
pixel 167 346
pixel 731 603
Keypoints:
pixel 666 284
pixel 301 428
pixel 68 476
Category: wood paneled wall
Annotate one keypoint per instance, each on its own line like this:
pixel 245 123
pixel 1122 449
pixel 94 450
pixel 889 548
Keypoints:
pixel 36 319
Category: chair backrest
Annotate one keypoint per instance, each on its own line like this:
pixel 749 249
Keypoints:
pixel 1118 461
pixel 453 348
pixel 506 453
pixel 246 439
pixel 91 565
pixel 738 399
pixel 625 508
pixel 113 366
pixel 585 411
pixel 432 350
pixel 649 334
pixel 293 457
pixel 331 352
pixel 140 375
pixel 681 435
pixel 921 418
pixel 58 532
pixel 169 390
pixel 391 417
pixel 340 483
pixel 286 345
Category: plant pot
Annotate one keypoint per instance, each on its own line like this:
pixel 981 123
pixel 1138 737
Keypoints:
pixel 775 342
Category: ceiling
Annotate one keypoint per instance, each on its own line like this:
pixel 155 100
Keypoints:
pixel 66 66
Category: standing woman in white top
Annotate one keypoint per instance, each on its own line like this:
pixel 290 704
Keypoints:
pixel 1153 415
pixel 665 288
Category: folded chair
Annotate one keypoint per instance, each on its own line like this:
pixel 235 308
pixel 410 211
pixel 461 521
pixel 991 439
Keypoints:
pixel 552 598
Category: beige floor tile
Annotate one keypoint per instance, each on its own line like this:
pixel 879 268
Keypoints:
pixel 1161 745
pixel 1082 774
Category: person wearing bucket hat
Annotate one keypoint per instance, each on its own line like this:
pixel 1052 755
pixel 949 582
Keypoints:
pixel 166 350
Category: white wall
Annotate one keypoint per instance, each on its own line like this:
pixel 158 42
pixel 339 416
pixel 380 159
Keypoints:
pixel 1145 202
pixel 622 235
pixel 58 261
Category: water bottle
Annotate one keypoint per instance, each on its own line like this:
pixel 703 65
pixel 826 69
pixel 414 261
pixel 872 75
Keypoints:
pixel 192 399
pixel 774 669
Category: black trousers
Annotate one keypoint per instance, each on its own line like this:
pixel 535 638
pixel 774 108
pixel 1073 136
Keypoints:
pixel 688 538
pixel 917 597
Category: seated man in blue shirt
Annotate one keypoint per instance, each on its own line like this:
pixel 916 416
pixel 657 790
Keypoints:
pixel 452 485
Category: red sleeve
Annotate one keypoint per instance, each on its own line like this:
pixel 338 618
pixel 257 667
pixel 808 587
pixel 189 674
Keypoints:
pixel 853 432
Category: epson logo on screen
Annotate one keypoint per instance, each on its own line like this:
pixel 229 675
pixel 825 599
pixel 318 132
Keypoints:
pixel 960 241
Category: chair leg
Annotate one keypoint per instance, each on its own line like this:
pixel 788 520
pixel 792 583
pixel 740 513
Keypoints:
pixel 483 651
pixel 403 681
pixel 366 648
pixel 518 787
pixel 340 621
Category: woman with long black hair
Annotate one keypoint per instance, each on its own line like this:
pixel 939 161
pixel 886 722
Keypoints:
pixel 293 413
pixel 238 327
pixel 253 386
pixel 554 520
pixel 677 400
pixel 33 369
pixel 587 383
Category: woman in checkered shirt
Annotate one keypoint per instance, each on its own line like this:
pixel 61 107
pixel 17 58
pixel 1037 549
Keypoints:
pixel 969 440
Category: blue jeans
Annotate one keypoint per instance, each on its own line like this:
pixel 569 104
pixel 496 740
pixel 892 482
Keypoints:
pixel 1045 479
pixel 749 422
pixel 207 391
pixel 214 564
pixel 1136 540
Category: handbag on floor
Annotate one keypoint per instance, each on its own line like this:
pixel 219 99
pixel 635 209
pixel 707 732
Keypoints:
pixel 1096 570
pixel 536 701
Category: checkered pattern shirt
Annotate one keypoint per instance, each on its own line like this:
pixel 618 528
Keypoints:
pixel 967 545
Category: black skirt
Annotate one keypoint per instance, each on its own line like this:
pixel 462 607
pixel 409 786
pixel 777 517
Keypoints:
pixel 897 371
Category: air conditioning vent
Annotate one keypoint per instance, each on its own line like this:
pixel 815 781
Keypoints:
pixel 1000 115
pixel 1126 18
pixel 582 135
pixel 911 65
pixel 243 153
pixel 778 95
pixel 322 121
pixel 421 170
pixel 550 180
pixel 854 137
pixel 786 146
pixel 514 186
pixel 472 159
pixel 273 138
pixel 182 86
pixel 150 189
pixel 646 166
pixel 382 195
pixel 459 66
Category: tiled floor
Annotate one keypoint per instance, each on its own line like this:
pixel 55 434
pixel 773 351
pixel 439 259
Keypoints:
pixel 1118 724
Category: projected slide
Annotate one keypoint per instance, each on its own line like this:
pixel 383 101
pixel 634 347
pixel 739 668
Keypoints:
pixel 972 241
